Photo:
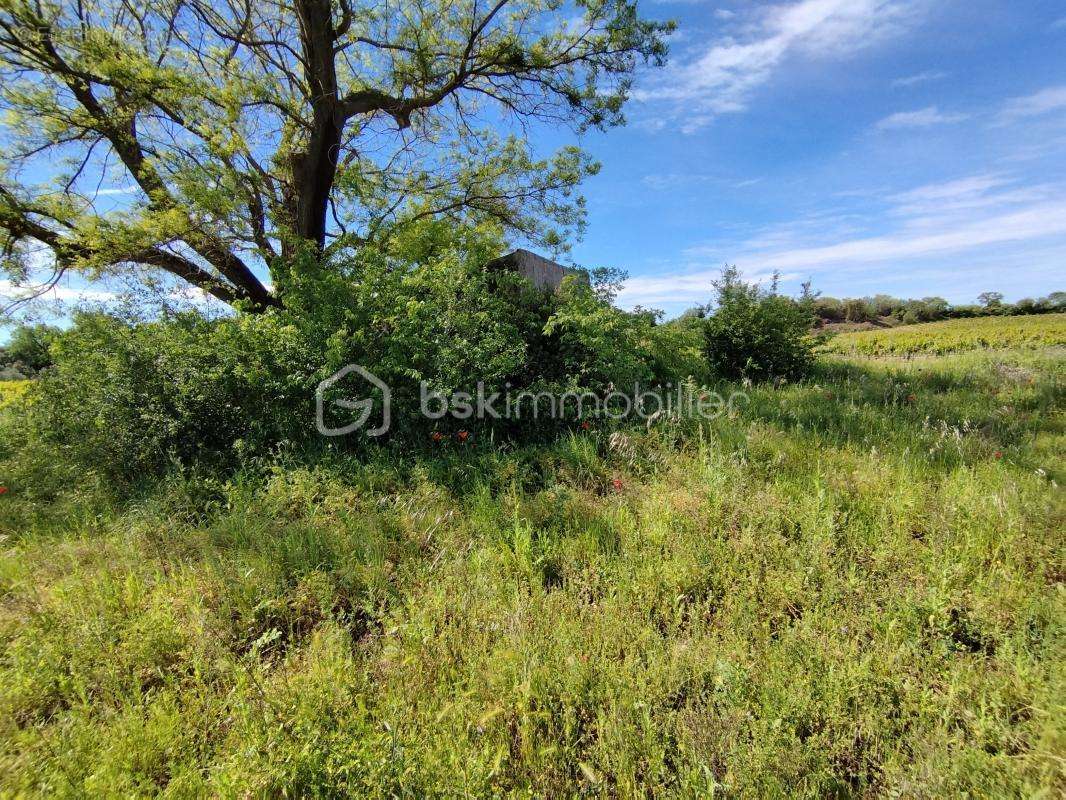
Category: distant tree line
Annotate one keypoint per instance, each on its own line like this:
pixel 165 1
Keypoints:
pixel 929 309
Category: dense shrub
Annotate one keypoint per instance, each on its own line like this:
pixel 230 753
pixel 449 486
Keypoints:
pixel 884 305
pixel 134 398
pixel 928 309
pixel 829 309
pixel 131 398
pixel 856 310
pixel 756 333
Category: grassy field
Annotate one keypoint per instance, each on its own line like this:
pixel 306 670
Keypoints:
pixel 854 587
pixel 956 335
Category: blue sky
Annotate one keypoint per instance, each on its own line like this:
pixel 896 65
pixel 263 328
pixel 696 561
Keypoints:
pixel 913 147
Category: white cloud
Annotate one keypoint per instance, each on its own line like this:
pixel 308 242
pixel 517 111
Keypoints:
pixel 692 288
pixel 928 206
pixel 952 190
pixel 66 294
pixel 966 216
pixel 934 198
pixel 1035 222
pixel 1059 25
pixel 724 13
pixel 672 180
pixel 116 191
pixel 1045 101
pixel 721 79
pixel 923 118
pixel 921 77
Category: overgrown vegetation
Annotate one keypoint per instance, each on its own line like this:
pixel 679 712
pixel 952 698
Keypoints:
pixel 848 585
pixel 756 333
pixel 853 587
pixel 956 335
pixel 134 399
pixel 12 390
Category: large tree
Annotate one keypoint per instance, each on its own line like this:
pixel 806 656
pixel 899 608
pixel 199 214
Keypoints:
pixel 214 139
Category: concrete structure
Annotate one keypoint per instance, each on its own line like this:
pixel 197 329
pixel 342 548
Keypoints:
pixel 543 273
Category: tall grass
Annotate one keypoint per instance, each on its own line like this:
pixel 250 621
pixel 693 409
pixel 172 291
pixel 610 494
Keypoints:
pixel 854 586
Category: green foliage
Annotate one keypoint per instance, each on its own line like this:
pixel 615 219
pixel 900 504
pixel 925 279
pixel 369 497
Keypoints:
pixel 243 136
pixel 856 310
pixel 847 597
pixel 11 391
pixel 135 398
pixel 829 309
pixel 676 352
pixel 929 309
pixel 956 335
pixel 598 343
pixel 991 300
pixel 27 349
pixel 756 333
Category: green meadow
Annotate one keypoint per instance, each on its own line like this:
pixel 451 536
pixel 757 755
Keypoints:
pixel 853 586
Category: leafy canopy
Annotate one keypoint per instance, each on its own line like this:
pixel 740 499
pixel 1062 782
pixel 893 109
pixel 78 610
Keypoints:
pixel 211 140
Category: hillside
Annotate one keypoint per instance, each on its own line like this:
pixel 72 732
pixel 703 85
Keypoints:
pixel 956 335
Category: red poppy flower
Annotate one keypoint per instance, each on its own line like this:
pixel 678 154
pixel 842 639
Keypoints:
pixel 998 454
pixel 585 425
pixel 3 490
pixel 436 436
pixel 617 484
pixel 911 398
pixel 463 435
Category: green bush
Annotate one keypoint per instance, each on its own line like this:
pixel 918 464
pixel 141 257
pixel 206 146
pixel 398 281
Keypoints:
pixel 856 310
pixel 829 309
pixel 133 399
pixel 756 333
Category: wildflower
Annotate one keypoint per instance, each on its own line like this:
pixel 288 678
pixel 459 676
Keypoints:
pixel 462 436
pixel 998 454
pixel 911 398
pixel 585 425
pixel 3 490
pixel 616 483
pixel 828 395
pixel 436 436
